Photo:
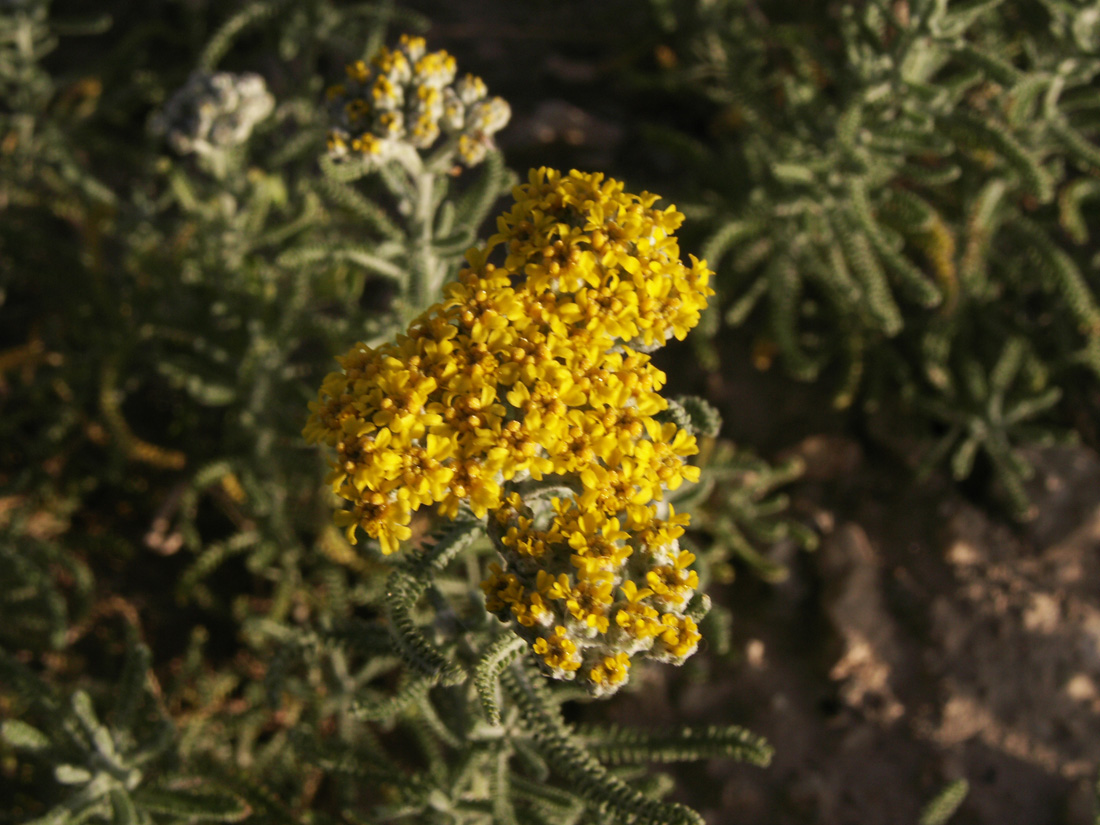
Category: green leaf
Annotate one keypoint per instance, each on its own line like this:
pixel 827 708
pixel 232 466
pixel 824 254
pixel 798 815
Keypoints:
pixel 952 20
pixel 500 791
pixel 740 310
pixel 374 259
pixel 1023 97
pixel 130 689
pixel 1077 145
pixel 785 288
pixel 445 545
pixel 125 813
pixel 1065 274
pixel 100 736
pixel 792 173
pixel 982 221
pixel 72 774
pixel 455 244
pixel 345 171
pixel 501 652
pixel 201 806
pixel 912 281
pixel 1070 199
pixel 704 419
pixel 402 592
pixel 962 462
pixel 944 805
pixel 22 736
pixel 975 133
pixel 730 235
pixel 220 44
pixel 363 208
pixel 991 65
pixel 1008 366
pixel 567 756
pixel 865 266
pixel 693 414
pixel 389 706
pixel 619 745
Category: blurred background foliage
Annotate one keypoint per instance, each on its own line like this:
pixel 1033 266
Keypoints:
pixel 897 197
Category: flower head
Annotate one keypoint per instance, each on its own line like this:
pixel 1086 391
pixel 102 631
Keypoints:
pixel 537 370
pixel 214 111
pixel 404 99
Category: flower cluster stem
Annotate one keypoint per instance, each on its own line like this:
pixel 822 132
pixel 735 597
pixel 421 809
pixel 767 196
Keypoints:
pixel 424 267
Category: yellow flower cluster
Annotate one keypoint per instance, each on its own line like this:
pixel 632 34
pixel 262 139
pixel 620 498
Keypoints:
pixel 408 97
pixel 589 589
pixel 531 374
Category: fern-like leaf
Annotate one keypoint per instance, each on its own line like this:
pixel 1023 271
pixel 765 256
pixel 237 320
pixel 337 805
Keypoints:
pixel 414 647
pixel 944 805
pixel 24 737
pixel 504 649
pixel 587 776
pixel 974 133
pixel 192 804
pixel 444 546
pixel 218 45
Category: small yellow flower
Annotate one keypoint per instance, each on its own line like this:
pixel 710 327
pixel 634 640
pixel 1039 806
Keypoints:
pixel 610 673
pixel 674 584
pixel 589 600
pixel 558 651
pixel 381 518
pixel 529 612
pixel 678 638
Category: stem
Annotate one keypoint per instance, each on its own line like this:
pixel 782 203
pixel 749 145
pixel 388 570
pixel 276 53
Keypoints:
pixel 426 270
pixel 422 227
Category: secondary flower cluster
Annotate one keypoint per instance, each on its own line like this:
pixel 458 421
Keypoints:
pixel 533 374
pixel 408 96
pixel 589 589
pixel 214 111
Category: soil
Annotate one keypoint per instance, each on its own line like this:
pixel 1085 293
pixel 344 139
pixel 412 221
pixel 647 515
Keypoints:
pixel 924 642
pixel 956 646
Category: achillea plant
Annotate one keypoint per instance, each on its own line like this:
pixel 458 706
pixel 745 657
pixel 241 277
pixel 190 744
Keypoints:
pixel 528 377
pixel 155 354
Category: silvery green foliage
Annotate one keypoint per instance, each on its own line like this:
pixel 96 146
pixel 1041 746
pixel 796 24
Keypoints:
pixel 484 738
pixel 25 88
pixel 46 588
pixel 694 414
pixel 114 769
pixel 214 111
pixel 908 188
